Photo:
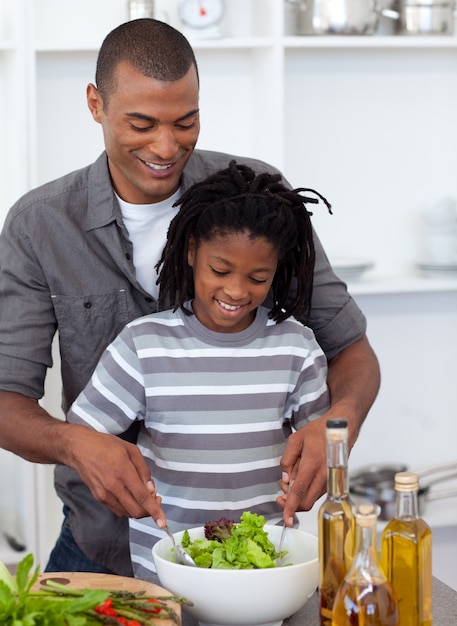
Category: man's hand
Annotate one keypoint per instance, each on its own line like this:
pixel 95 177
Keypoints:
pixel 353 380
pixel 304 465
pixel 115 472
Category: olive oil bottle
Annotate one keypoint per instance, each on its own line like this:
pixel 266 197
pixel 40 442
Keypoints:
pixel 365 597
pixel 406 554
pixel 336 522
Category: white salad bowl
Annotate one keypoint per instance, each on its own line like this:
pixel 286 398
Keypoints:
pixel 251 597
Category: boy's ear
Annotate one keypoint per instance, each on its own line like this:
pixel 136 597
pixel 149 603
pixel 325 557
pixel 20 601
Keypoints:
pixel 191 251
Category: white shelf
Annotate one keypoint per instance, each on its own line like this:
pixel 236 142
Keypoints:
pixel 400 284
pixel 387 41
pixel 224 43
pixel 290 42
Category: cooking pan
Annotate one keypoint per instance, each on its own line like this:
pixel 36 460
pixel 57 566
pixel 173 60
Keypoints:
pixel 376 483
pixel 425 17
pixel 338 17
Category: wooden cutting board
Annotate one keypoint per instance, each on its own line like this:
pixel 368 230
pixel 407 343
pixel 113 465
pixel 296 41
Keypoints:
pixel 88 580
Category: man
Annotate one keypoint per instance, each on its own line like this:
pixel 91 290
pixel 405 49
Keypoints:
pixel 76 256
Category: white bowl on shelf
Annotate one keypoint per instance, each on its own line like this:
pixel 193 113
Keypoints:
pixel 243 597
pixel 351 269
pixel 433 269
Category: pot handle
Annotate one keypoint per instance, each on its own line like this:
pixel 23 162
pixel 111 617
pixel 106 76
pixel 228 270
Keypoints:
pixel 438 495
pixel 437 469
pixel 439 479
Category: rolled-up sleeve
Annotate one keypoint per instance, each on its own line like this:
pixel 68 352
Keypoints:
pixel 27 321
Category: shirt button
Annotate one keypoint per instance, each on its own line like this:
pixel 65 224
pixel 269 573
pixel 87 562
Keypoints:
pixel 87 304
pixel 149 299
pixel 128 256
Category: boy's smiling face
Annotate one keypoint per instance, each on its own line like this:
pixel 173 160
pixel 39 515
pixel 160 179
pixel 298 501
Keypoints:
pixel 233 274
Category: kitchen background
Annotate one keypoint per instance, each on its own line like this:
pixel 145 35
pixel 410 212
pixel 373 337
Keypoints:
pixel 369 121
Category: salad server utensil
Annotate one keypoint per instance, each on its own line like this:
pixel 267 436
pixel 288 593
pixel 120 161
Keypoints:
pixel 181 555
pixel 295 524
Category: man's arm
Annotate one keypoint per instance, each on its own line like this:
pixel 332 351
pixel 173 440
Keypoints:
pixel 353 380
pixel 113 469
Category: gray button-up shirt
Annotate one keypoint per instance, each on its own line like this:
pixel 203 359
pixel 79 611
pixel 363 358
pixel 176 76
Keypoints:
pixel 66 265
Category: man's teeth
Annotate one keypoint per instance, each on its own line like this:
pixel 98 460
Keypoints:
pixel 229 307
pixel 154 166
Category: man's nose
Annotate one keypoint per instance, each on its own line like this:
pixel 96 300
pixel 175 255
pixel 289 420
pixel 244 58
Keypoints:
pixel 164 144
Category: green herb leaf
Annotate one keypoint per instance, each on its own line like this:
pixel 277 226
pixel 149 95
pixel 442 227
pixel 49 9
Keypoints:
pixel 6 578
pixel 58 605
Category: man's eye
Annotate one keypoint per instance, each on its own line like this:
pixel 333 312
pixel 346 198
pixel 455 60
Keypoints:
pixel 185 126
pixel 140 129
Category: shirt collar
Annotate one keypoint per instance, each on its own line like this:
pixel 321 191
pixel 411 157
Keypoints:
pixel 103 207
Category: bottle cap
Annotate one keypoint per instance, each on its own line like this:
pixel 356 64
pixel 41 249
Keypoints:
pixel 337 430
pixel 406 481
pixel 337 423
pixel 367 514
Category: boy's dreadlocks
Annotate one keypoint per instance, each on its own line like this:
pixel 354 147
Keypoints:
pixel 236 200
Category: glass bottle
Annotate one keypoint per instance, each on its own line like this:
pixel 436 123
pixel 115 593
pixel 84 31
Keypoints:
pixel 365 597
pixel 336 522
pixel 406 554
pixel 140 8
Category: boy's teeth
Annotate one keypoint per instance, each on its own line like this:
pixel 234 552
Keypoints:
pixel 228 306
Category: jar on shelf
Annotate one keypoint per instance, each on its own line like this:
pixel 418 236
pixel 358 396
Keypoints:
pixel 140 8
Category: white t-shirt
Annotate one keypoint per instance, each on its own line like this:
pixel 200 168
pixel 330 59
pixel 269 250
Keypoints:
pixel 147 225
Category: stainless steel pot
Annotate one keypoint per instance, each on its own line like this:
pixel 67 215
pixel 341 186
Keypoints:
pixel 376 483
pixel 425 17
pixel 337 17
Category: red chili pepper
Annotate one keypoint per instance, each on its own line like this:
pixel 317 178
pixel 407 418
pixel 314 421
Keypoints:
pixel 123 620
pixel 156 609
pixel 133 622
pixel 106 608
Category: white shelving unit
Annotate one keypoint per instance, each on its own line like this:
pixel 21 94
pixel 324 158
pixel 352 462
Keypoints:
pixel 368 121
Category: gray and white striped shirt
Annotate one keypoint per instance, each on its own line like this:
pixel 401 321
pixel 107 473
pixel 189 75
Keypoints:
pixel 215 412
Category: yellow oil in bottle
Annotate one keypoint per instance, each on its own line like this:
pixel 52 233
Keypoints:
pixel 336 523
pixel 406 555
pixel 365 605
pixel 365 597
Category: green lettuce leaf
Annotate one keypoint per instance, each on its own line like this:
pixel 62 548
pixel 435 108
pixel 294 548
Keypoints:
pixel 248 547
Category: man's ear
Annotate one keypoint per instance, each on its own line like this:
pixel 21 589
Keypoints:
pixel 94 102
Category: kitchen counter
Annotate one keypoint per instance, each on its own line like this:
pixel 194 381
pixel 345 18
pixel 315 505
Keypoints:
pixel 444 609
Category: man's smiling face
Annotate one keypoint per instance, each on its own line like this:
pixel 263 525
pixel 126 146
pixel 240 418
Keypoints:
pixel 150 129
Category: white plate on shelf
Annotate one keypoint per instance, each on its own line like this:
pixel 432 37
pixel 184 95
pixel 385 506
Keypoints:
pixel 437 270
pixel 351 269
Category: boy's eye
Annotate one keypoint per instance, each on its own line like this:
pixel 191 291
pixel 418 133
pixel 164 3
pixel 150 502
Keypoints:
pixel 218 272
pixel 258 281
